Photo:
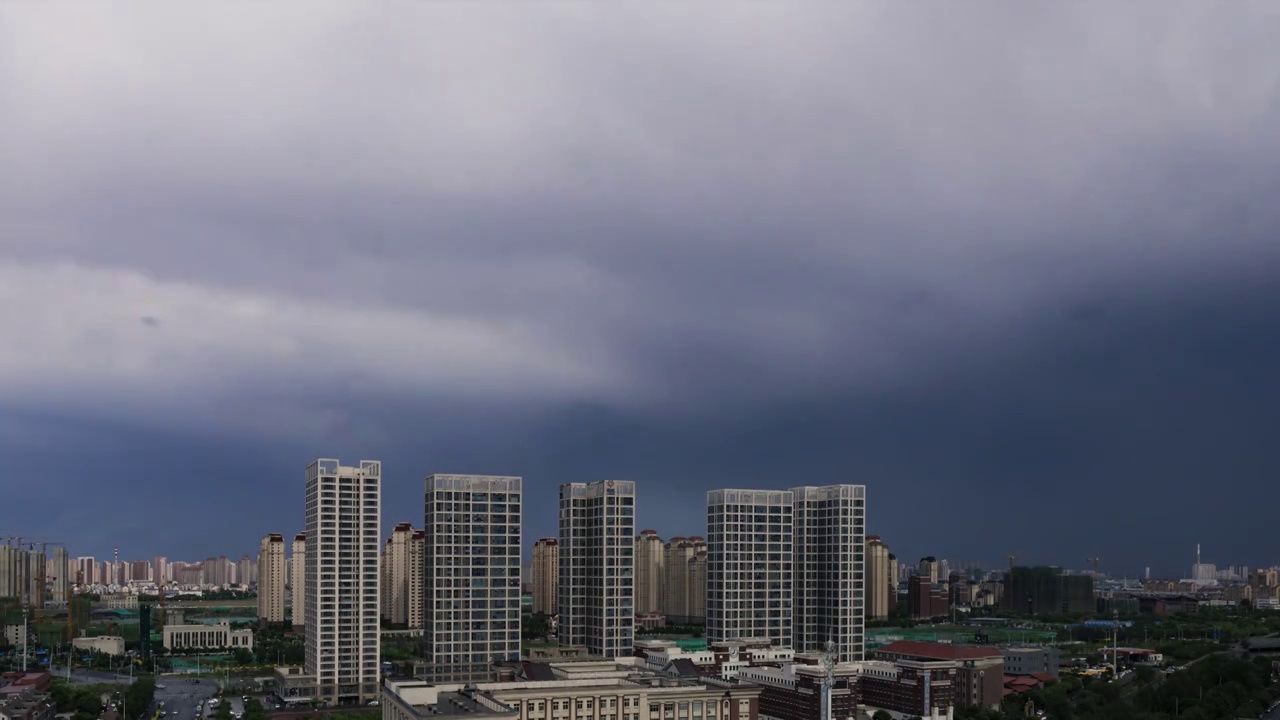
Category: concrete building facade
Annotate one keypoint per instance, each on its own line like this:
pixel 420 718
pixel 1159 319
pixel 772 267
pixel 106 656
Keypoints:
pixel 685 587
pixel 597 564
pixel 341 597
pixel 649 578
pixel 750 565
pixel 879 579
pixel 271 570
pixel 207 637
pixel 397 569
pixel 297 580
pixel 829 588
pixel 472 573
pixel 546 576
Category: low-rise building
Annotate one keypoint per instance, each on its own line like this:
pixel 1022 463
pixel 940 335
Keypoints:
pixel 979 669
pixel 120 601
pixel 722 660
pixel 1031 660
pixel 207 637
pixel 293 686
pixel 19 683
pixel 903 688
pixel 28 705
pixel 1135 656
pixel 112 645
pixel 621 689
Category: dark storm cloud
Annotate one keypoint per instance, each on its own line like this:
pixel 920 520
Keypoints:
pixel 679 221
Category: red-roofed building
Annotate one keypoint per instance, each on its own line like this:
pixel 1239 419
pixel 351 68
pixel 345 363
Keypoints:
pixel 979 679
pixel 16 683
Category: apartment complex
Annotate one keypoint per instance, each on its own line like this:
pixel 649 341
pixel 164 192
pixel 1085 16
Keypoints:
pixel 979 671
pixel 649 572
pixel 684 587
pixel 402 576
pixel 297 580
pixel 750 567
pixel 59 576
pixel 22 575
pixel 341 579
pixel 271 569
pixel 472 573
pixel 829 587
pixel 546 576
pixel 597 561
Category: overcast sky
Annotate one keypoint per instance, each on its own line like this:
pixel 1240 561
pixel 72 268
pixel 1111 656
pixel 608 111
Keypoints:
pixel 1012 266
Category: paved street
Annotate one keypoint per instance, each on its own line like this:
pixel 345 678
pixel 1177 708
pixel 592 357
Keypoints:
pixel 90 677
pixel 181 696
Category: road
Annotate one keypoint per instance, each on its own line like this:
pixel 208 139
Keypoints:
pixel 91 677
pixel 181 696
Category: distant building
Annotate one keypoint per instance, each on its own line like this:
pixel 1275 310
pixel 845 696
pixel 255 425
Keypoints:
pixel 931 569
pixel 107 644
pixel 828 586
pixel 402 576
pixel 298 580
pixel 882 585
pixel 1031 660
pixel 207 637
pixel 271 567
pixel 649 573
pixel 546 575
pixel 926 599
pixel 685 586
pixel 1046 591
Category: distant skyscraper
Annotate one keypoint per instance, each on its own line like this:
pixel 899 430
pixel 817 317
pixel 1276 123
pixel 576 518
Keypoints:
pixel 341 599
pixel 931 569
pixel 403 579
pixel 298 580
pixel 684 587
pixel 597 560
pixel 750 565
pixel 829 588
pixel 649 572
pixel 140 571
pixel 271 572
pixel 879 578
pixel 60 571
pixel 160 570
pixel 546 575
pixel 86 571
pixel 472 574
pixel 247 571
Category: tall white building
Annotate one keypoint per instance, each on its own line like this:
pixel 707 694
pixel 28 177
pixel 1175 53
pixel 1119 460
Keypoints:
pixel 160 572
pixel 597 560
pixel 830 586
pixel 271 572
pixel 750 568
pixel 341 577
pixel 472 574
pixel 297 580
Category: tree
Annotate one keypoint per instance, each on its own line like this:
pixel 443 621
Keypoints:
pixel 139 696
pixel 881 715
pixel 223 712
pixel 253 710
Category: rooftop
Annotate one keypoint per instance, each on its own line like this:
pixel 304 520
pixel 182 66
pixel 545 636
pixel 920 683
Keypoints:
pixel 940 651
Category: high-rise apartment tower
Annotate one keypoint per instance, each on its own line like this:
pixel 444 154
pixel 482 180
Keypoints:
pixel 472 574
pixel 750 565
pixel 546 575
pixel 829 585
pixel 597 560
pixel 271 572
pixel 649 572
pixel 341 576
pixel 298 580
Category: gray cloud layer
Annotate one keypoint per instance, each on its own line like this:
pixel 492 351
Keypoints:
pixel 684 211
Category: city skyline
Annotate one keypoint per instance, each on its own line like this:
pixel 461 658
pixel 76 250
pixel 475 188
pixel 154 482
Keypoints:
pixel 889 245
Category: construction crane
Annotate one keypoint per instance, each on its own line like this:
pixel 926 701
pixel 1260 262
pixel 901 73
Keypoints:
pixel 1095 561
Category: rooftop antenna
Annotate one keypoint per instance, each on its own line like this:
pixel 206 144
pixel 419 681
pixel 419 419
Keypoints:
pixel 828 678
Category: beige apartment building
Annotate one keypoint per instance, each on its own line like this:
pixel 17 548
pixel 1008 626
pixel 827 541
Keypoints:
pixel 546 575
pixel 297 579
pixel 271 577
pixel 881 584
pixel 684 596
pixel 402 576
pixel 649 572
